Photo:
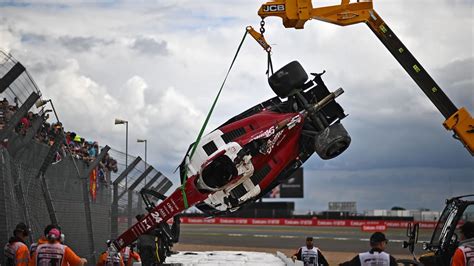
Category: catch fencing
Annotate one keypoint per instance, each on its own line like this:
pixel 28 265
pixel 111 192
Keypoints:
pixel 126 187
pixel 42 184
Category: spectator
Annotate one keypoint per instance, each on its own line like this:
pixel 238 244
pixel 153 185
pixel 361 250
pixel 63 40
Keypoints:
pixel 74 144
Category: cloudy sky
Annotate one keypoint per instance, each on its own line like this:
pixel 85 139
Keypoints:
pixel 159 64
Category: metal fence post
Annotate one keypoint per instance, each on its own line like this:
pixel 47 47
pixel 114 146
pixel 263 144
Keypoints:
pixel 58 140
pixel 130 193
pixel 11 76
pixel 152 181
pixel 87 204
pixel 116 197
pixel 146 186
pixel 7 131
pixel 3 199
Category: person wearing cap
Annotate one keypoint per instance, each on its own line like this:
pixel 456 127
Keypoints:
pixel 376 255
pixel 55 253
pixel 110 257
pixel 43 239
pixel 464 254
pixel 310 255
pixel 16 251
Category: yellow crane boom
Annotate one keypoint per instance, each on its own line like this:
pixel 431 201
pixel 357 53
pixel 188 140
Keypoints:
pixel 295 13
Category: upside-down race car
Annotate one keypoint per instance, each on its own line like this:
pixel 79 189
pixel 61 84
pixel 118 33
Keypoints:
pixel 256 150
pixel 246 157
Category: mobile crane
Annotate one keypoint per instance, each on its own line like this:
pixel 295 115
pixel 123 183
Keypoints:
pixel 445 238
pixel 295 13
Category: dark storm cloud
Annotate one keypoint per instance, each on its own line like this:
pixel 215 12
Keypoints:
pixel 150 46
pixel 77 44
pixel 398 126
pixel 14 4
pixel 411 188
pixel 33 38
pixel 457 81
pixel 47 65
pixel 81 44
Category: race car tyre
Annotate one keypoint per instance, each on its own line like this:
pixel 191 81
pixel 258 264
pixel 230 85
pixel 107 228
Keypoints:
pixel 288 79
pixel 332 141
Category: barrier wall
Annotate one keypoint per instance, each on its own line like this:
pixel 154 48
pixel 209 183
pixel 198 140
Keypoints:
pixel 301 222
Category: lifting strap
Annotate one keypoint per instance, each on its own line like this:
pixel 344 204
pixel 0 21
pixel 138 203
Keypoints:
pixel 269 64
pixel 260 40
pixel 185 177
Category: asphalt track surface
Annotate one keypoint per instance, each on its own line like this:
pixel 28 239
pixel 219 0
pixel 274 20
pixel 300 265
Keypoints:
pixel 335 239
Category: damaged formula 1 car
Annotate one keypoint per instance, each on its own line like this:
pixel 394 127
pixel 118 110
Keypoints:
pixel 253 152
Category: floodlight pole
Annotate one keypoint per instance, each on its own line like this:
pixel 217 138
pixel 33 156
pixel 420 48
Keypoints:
pixel 126 152
pixel 145 141
pixel 54 110
pixel 120 122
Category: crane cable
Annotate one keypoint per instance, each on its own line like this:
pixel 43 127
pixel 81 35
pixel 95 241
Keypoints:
pixel 193 150
pixel 261 40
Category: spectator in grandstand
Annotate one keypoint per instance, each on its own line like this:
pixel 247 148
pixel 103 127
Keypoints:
pixel 42 135
pixel 112 165
pixel 310 255
pixel 376 255
pixel 3 113
pixel 55 253
pixel 92 150
pixel 30 116
pixel 464 254
pixel 10 112
pixel 5 102
pixel 16 251
pixel 23 125
pixel 7 109
pixel 78 147
pixel 106 165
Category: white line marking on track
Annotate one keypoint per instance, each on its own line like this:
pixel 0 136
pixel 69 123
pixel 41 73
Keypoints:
pixel 341 238
pixel 396 241
pixel 234 234
pixel 288 236
pixel 260 235
pixel 364 239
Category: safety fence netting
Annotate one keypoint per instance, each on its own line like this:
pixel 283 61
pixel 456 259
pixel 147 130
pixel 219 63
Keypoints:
pixel 128 185
pixel 18 91
pixel 25 200
pixel 40 184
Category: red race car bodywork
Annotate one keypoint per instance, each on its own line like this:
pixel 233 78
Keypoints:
pixel 253 152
